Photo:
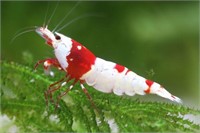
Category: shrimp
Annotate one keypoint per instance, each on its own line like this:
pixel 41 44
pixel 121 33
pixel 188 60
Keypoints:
pixel 80 64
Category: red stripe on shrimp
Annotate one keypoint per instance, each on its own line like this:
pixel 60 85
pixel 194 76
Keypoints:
pixel 80 60
pixel 149 83
pixel 119 68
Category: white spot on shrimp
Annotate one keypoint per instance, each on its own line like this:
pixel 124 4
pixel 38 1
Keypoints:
pixel 71 59
pixel 46 64
pixel 79 47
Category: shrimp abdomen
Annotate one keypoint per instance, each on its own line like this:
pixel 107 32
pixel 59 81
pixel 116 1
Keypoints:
pixel 108 77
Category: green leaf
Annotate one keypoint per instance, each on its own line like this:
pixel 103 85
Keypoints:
pixel 23 108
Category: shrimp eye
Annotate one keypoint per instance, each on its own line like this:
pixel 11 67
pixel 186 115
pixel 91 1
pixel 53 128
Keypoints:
pixel 57 37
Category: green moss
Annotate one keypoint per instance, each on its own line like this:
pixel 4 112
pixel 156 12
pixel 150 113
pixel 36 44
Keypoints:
pixel 22 98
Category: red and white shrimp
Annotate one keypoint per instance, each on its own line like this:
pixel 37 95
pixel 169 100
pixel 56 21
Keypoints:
pixel 82 65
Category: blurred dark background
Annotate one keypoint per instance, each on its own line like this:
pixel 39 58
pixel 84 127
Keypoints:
pixel 157 40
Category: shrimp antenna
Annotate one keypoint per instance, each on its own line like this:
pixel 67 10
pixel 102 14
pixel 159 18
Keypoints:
pixel 53 13
pixel 23 29
pixel 23 32
pixel 78 18
pixel 74 7
pixel 45 17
